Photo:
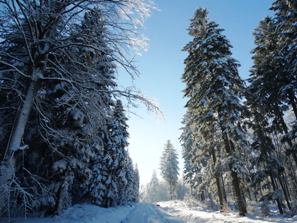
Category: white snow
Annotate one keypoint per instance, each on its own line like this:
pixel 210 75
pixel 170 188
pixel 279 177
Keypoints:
pixel 185 213
pixel 161 212
pixel 84 213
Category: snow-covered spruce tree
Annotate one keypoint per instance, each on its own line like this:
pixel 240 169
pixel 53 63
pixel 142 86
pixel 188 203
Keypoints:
pixel 269 78
pixel 203 159
pixel 90 111
pixel 186 140
pixel 273 88
pixel 214 91
pixel 127 176
pixel 136 184
pixel 194 160
pixel 118 175
pixel 266 166
pixel 114 161
pixel 42 58
pixel 96 132
pixel 286 19
pixel 169 168
pixel 152 189
pixel 131 179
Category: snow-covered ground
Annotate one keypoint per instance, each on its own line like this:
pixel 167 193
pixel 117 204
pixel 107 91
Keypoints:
pixel 185 213
pixel 83 214
pixel 162 212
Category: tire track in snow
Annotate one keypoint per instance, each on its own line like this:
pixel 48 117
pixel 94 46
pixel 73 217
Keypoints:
pixel 148 213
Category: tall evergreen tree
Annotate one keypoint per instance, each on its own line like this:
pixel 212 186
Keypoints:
pixel 285 19
pixel 214 90
pixel 268 78
pixel 266 164
pixel 272 94
pixel 136 184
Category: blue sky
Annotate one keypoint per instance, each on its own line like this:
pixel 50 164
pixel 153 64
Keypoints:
pixel 161 68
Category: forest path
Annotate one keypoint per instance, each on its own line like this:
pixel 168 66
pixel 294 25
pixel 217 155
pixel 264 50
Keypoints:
pixel 149 213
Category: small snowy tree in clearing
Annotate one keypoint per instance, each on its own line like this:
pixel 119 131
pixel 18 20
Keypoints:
pixel 169 167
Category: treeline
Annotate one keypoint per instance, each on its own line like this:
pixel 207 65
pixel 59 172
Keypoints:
pixel 158 190
pixel 240 138
pixel 63 128
pixel 170 187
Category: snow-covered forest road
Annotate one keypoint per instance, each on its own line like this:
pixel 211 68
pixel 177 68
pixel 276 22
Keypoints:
pixel 162 212
pixel 150 213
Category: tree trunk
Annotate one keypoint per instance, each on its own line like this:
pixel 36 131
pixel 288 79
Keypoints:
pixel 249 194
pixel 241 204
pixel 224 190
pixel 7 173
pixel 20 124
pixel 293 185
pixel 287 196
pixel 202 196
pixel 219 186
pixel 279 203
pixel 171 191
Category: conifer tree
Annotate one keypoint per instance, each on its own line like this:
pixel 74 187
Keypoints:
pixel 214 90
pixel 268 78
pixel 285 19
pixel 265 164
pixel 136 184
pixel 153 188
pixel 169 167
pixel 271 95
pixel 285 67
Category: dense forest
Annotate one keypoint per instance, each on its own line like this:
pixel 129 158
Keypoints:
pixel 63 126
pixel 240 137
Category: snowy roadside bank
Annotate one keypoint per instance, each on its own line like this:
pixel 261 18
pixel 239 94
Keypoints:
pixel 180 210
pixel 84 213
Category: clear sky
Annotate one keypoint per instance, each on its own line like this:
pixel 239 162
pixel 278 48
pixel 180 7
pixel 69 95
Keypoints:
pixel 161 68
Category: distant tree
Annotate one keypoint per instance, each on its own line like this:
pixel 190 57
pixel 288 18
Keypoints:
pixel 169 168
pixel 181 190
pixel 152 190
pixel 155 190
